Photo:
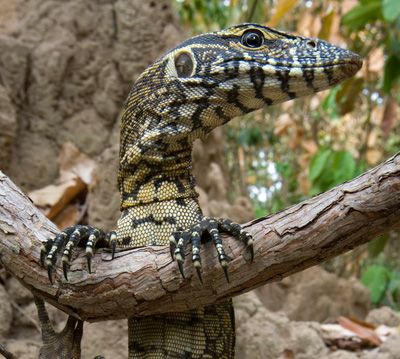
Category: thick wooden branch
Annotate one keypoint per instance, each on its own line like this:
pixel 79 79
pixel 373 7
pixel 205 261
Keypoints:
pixel 145 281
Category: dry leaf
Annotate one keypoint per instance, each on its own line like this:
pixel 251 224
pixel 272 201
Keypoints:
pixel 282 124
pixel 335 35
pixel 347 5
pixel 75 163
pixel 376 60
pixel 304 182
pixel 75 175
pixel 347 95
pixel 305 24
pixel 363 332
pixel 310 146
pixel 69 216
pixel 326 26
pixel 389 115
pixel 281 9
pixel 373 156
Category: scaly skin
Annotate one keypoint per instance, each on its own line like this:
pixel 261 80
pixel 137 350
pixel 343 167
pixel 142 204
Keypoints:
pixel 201 84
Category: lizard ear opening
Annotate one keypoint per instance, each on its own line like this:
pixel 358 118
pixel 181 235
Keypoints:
pixel 184 64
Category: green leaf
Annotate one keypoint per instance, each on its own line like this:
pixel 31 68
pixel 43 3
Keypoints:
pixel 318 163
pixel 390 9
pixel 260 211
pixel 329 104
pixel 284 170
pixel 391 73
pixel 376 278
pixel 250 136
pixel 377 245
pixel 343 165
pixel 394 289
pixel 362 14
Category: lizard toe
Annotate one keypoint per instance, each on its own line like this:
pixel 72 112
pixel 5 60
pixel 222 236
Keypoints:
pixel 236 230
pixel 211 227
pixel 67 240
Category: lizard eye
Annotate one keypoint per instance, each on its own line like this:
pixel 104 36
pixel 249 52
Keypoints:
pixel 183 64
pixel 252 39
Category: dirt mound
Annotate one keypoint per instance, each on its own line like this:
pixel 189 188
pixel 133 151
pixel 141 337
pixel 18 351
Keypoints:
pixel 330 295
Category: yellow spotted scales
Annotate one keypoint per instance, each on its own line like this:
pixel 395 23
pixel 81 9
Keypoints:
pixel 201 84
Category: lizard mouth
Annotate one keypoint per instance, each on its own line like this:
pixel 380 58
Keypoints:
pixel 354 61
pixel 335 70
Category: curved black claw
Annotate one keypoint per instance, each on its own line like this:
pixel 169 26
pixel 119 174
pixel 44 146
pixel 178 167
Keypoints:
pixel 196 259
pixel 178 243
pixel 67 240
pixel 236 230
pixel 111 239
pixel 212 227
pixel 50 273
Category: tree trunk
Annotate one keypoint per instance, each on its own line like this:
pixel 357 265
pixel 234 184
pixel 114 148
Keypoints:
pixel 145 281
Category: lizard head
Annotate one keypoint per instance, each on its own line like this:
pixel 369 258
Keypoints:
pixel 211 78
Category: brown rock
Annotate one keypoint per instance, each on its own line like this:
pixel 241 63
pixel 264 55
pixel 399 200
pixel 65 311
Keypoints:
pixel 8 125
pixel 104 197
pixel 330 296
pixel 5 313
pixel 391 347
pixel 384 316
pixel 264 334
pixel 18 292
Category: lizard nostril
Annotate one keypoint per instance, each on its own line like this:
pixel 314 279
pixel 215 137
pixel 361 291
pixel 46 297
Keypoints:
pixel 312 43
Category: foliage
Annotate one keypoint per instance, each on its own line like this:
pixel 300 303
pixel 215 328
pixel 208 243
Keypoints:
pixel 384 284
pixel 300 148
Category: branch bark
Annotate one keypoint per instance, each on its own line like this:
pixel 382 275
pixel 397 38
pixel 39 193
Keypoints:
pixel 144 281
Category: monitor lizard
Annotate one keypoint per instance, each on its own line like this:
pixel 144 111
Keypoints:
pixel 201 84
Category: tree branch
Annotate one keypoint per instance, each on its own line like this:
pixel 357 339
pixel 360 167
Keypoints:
pixel 144 281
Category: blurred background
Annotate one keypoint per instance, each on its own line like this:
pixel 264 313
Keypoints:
pixel 65 70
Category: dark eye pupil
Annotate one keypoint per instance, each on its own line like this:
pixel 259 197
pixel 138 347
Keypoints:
pixel 252 39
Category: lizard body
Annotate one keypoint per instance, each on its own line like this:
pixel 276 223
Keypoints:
pixel 201 84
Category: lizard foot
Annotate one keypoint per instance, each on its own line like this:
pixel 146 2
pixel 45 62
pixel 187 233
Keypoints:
pixel 68 240
pixel 212 227
pixel 66 344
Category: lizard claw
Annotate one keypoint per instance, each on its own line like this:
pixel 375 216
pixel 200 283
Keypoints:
pixel 172 246
pixel 198 270
pixel 50 273
pixel 212 227
pixel 65 269
pixel 179 252
pixel 196 241
pixel 224 265
pixel 250 248
pixel 68 240
pixel 180 265
pixel 89 262
pixel 112 241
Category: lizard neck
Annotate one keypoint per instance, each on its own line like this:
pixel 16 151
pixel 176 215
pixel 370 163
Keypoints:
pixel 155 162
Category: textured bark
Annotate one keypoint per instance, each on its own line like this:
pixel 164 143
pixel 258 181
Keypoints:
pixel 145 281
